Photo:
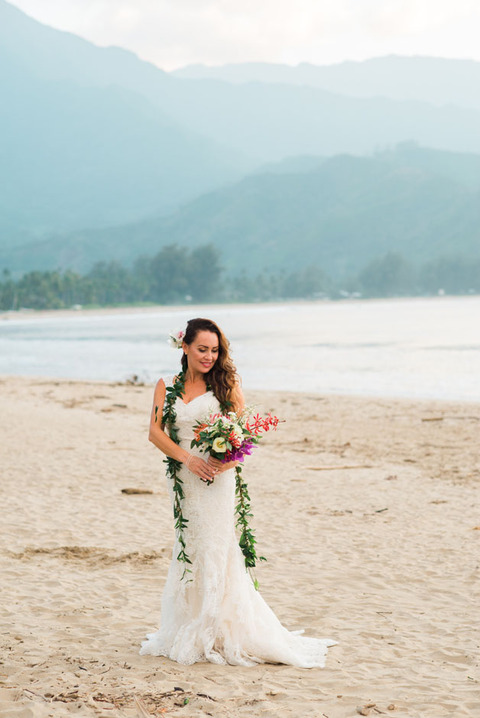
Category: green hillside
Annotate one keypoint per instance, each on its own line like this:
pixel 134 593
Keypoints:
pixel 340 215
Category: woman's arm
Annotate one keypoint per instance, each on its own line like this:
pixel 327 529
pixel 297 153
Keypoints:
pixel 162 441
pixel 238 400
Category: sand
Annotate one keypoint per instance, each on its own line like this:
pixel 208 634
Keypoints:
pixel 366 509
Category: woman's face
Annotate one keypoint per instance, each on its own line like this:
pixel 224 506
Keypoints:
pixel 202 353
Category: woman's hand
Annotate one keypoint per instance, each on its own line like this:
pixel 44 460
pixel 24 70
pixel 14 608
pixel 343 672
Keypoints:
pixel 200 468
pixel 217 465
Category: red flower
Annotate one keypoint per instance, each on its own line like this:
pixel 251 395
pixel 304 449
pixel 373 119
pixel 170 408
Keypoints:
pixel 198 430
pixel 234 440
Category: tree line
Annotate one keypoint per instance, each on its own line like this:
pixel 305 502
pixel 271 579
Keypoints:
pixel 174 275
pixel 177 275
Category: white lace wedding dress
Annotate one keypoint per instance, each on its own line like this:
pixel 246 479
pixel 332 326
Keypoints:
pixel 218 615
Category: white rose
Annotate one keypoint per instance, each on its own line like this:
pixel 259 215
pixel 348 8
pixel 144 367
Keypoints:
pixel 219 445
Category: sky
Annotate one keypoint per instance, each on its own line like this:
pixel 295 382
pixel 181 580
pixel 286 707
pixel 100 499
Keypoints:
pixel 175 33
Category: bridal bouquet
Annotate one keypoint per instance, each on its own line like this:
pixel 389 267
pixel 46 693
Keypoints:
pixel 231 437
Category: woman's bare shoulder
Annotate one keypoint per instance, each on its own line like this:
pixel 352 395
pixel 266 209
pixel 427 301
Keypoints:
pixel 161 386
pixel 237 396
pixel 165 381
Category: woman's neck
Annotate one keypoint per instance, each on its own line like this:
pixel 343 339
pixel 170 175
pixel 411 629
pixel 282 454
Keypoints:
pixel 194 377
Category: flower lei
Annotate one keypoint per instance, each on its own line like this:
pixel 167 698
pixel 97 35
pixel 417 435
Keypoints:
pixel 243 512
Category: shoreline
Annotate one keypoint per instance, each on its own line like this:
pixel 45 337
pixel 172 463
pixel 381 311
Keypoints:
pixel 473 404
pixel 9 315
pixel 401 349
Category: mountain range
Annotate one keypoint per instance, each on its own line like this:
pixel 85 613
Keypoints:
pixel 104 156
pixel 75 153
pixel 436 80
pixel 338 214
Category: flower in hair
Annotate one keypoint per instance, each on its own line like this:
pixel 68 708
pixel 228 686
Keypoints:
pixel 176 339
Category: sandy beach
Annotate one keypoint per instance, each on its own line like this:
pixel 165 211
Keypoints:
pixel 367 510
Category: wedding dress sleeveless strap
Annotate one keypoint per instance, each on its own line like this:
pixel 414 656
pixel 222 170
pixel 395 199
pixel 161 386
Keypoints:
pixel 215 613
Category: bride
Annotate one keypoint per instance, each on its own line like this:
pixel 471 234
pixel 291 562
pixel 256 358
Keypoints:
pixel 212 611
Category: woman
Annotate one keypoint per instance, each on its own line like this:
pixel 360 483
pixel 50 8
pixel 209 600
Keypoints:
pixel 210 607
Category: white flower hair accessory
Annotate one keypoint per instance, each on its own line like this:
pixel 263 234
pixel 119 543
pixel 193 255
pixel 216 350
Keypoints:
pixel 176 339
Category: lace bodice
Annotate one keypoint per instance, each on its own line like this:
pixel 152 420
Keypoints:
pixel 196 410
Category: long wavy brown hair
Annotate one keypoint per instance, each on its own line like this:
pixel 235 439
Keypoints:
pixel 222 377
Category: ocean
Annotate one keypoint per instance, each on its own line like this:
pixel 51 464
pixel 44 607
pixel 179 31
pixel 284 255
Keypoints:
pixel 412 348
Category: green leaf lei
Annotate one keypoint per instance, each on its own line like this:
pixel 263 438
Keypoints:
pixel 247 537
pixel 243 512
pixel 174 392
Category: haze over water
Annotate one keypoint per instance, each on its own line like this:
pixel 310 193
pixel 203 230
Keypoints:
pixel 416 348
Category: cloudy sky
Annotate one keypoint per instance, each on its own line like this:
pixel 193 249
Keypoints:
pixel 173 33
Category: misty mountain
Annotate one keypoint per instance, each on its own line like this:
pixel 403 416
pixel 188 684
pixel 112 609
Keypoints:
pixel 96 145
pixel 436 80
pixel 338 214
pixel 76 155
pixel 263 121
pixel 270 122
pixel 58 55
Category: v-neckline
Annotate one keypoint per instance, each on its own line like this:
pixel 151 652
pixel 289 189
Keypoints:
pixel 194 398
